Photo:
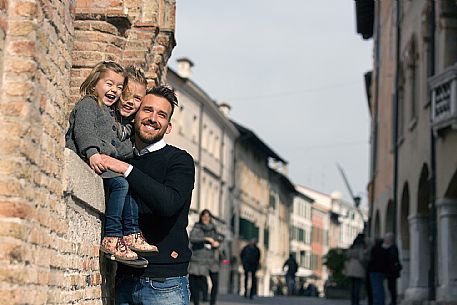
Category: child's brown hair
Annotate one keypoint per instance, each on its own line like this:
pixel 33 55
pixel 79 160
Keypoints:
pixel 88 85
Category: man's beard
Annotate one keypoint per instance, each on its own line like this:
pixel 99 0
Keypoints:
pixel 145 138
pixel 150 139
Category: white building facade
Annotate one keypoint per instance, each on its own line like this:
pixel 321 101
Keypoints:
pixel 301 227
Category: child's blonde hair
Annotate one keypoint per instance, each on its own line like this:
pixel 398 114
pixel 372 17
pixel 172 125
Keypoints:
pixel 133 73
pixel 88 85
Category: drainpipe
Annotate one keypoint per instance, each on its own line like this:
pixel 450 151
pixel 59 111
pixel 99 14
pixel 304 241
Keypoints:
pixel 432 200
pixel 395 127
pixel 374 130
pixel 200 148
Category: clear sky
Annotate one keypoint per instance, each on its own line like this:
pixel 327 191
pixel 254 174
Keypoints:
pixel 292 70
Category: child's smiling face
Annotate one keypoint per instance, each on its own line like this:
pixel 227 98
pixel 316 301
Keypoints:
pixel 109 87
pixel 131 98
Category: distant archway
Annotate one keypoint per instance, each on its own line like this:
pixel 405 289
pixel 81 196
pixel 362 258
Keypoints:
pixel 423 193
pixel 451 191
pixel 377 225
pixel 404 213
pixel 390 217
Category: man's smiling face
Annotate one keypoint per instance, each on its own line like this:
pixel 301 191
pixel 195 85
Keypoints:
pixel 152 120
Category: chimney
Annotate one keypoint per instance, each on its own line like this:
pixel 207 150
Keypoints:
pixel 225 109
pixel 185 67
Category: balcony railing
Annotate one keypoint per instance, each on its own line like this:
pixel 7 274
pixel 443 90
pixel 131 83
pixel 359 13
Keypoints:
pixel 443 89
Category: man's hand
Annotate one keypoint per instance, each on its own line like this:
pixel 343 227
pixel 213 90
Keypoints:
pixel 96 163
pixel 114 164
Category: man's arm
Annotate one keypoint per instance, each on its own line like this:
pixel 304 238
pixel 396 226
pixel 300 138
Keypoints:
pixel 170 196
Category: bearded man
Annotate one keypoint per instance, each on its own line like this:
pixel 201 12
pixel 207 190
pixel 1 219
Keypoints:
pixel 161 179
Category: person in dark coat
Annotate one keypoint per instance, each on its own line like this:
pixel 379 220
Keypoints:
pixel 394 268
pixel 292 268
pixel 377 270
pixel 250 258
pixel 205 243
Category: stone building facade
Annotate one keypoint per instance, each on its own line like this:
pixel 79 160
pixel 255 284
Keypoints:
pixel 413 102
pixel 51 204
pixel 261 206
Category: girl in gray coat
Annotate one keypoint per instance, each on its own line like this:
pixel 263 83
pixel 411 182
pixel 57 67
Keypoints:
pixel 100 123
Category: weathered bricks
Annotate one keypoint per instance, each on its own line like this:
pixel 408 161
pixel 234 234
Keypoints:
pixel 50 229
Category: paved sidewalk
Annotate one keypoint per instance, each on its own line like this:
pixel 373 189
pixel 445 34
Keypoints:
pixel 277 300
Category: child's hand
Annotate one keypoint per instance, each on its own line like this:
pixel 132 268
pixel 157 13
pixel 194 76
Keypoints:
pixel 96 163
pixel 114 165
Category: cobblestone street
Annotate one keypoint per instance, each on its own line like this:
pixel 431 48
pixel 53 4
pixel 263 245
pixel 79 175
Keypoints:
pixel 236 300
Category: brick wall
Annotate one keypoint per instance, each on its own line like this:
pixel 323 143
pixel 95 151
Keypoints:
pixel 51 204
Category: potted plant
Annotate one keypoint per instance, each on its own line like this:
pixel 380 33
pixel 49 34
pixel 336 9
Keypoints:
pixel 337 285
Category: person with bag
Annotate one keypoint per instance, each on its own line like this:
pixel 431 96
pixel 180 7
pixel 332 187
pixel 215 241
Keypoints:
pixel 205 242
pixel 355 266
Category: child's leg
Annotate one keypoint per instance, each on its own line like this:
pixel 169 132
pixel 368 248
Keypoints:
pixel 113 242
pixel 133 236
pixel 130 215
pixel 116 190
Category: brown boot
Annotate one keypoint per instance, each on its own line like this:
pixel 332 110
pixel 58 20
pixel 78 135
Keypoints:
pixel 118 249
pixel 137 243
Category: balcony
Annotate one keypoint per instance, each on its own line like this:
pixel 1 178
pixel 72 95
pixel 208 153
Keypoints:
pixel 443 89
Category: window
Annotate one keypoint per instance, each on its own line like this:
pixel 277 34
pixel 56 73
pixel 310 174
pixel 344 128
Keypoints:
pixel 195 129
pixel 266 238
pixel 272 200
pixel 302 258
pixel 248 230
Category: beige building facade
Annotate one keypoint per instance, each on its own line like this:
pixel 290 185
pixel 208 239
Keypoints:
pixel 277 234
pixel 413 184
pixel 201 127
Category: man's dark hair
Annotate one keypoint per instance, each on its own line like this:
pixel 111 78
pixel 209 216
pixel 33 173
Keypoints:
pixel 167 93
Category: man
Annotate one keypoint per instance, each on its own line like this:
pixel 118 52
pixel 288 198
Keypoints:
pixel 161 178
pixel 250 258
pixel 377 270
pixel 292 268
pixel 394 267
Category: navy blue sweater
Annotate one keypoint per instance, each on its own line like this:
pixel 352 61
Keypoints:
pixel 162 183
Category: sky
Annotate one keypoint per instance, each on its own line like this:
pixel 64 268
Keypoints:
pixel 292 71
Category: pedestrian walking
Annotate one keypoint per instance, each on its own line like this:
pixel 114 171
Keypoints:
pixel 394 268
pixel 250 258
pixel 291 265
pixel 377 266
pixel 205 244
pixel 355 266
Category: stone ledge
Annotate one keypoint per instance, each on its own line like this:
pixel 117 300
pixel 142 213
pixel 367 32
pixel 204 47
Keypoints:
pixel 81 182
